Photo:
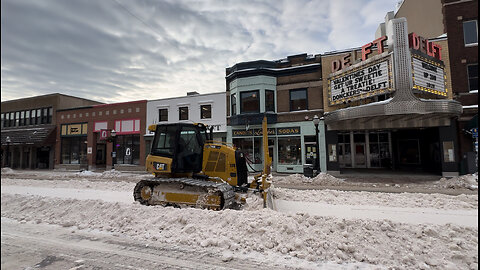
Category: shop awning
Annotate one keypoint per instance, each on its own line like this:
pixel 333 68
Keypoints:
pixel 395 113
pixel 29 136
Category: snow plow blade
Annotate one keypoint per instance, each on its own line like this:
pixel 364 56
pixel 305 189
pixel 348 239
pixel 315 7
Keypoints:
pixel 270 202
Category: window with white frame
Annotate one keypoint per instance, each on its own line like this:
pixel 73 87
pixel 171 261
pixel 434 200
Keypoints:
pixel 162 115
pixel 183 113
pixel 234 104
pixel 470 33
pixel 206 111
pixel 250 102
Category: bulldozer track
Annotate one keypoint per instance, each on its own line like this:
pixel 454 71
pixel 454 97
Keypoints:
pixel 227 192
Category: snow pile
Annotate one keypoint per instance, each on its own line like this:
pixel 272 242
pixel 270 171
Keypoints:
pixel 7 170
pixel 416 200
pixel 469 181
pixel 106 174
pixel 320 179
pixel 71 184
pixel 112 174
pixel 312 238
pixel 87 174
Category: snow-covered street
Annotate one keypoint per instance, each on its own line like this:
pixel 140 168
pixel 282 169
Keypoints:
pixel 60 213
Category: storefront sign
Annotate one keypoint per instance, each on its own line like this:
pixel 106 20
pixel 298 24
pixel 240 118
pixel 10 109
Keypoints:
pixel 428 75
pixel 103 134
pixel 344 62
pixel 424 46
pixel 270 131
pixel 358 83
pixel 259 132
pixel 242 132
pixel 366 49
pixel 288 131
pixel 74 129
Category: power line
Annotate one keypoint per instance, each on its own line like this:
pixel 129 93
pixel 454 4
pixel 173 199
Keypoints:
pixel 141 20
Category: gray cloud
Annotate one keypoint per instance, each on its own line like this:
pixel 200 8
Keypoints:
pixel 119 50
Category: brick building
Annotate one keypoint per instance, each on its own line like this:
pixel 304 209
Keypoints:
pixel 84 137
pixel 30 126
pixel 289 93
pixel 461 26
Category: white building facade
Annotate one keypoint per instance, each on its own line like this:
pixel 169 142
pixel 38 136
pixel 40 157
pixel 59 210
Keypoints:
pixel 209 109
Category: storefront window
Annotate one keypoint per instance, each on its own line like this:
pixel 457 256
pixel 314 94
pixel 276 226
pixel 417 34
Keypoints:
pixel 66 145
pixel 257 150
pixel 74 150
pixel 250 102
pixel 128 149
pixel 246 146
pixel 379 150
pixel 344 150
pixel 289 151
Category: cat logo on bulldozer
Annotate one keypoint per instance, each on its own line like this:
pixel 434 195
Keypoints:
pixel 159 166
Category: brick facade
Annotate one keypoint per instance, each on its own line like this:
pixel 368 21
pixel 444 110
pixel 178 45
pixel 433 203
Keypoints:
pixel 109 113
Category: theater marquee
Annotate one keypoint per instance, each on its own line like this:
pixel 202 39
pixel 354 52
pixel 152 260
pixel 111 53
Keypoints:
pixel 361 81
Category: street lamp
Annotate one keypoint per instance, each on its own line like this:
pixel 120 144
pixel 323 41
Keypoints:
pixel 113 133
pixel 8 141
pixel 316 121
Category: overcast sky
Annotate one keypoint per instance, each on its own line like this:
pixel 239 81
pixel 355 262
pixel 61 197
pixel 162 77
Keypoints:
pixel 123 50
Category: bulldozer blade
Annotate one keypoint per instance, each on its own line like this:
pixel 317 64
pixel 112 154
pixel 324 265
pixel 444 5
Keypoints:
pixel 270 202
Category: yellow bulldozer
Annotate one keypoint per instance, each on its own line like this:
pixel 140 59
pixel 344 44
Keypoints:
pixel 192 170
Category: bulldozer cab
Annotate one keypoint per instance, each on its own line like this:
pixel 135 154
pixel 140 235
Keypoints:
pixel 183 143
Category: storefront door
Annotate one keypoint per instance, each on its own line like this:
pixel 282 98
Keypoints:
pixel 360 157
pixel 100 156
pixel 310 153
pixel 271 147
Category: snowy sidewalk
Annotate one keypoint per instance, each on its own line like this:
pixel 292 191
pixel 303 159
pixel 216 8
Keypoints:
pixel 374 212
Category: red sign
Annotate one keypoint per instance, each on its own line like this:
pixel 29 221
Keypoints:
pixel 414 41
pixel 366 48
pixel 422 44
pixel 340 64
pixel 104 134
